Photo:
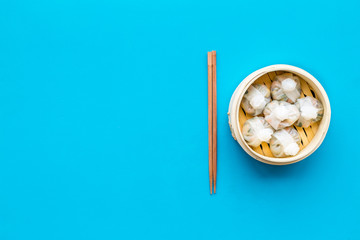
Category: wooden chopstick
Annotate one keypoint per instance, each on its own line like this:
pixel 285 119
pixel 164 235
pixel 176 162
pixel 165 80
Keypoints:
pixel 210 118
pixel 214 121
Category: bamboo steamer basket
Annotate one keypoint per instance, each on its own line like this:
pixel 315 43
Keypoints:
pixel 311 137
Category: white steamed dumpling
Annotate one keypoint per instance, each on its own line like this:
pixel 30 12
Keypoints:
pixel 255 99
pixel 256 130
pixel 285 142
pixel 280 114
pixel 311 110
pixel 286 87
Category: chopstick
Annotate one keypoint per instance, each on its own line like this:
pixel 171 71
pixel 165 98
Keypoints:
pixel 214 122
pixel 212 119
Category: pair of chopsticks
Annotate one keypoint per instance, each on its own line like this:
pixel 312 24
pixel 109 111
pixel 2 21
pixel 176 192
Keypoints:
pixel 212 119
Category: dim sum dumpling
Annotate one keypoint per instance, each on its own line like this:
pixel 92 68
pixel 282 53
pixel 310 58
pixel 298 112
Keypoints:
pixel 311 110
pixel 280 114
pixel 286 87
pixel 255 99
pixel 256 130
pixel 285 142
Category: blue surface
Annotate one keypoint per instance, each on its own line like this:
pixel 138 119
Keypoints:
pixel 103 115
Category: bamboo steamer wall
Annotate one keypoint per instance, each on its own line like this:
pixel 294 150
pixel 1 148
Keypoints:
pixel 311 137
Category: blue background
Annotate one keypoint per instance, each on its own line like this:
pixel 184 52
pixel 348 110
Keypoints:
pixel 103 120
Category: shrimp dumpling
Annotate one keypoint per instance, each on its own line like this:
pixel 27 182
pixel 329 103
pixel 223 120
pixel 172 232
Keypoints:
pixel 255 99
pixel 280 114
pixel 311 110
pixel 286 87
pixel 285 142
pixel 256 130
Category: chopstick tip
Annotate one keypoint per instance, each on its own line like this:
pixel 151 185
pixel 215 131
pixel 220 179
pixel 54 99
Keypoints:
pixel 209 58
